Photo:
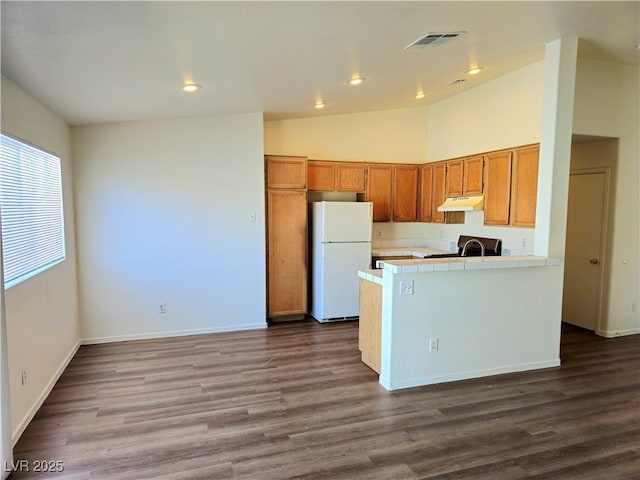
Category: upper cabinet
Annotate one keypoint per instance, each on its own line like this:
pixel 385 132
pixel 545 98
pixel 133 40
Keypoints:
pixel 464 176
pixel 405 193
pixel 438 191
pixel 473 175
pixel 524 186
pixel 497 188
pixel 321 176
pixel 286 172
pixel 326 176
pixel 425 193
pixel 379 179
pixel 455 172
pixel 351 177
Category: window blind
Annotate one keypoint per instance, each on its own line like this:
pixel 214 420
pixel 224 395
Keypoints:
pixel 31 210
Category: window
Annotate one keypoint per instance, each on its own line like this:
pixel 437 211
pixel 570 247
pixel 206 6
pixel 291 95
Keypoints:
pixel 30 210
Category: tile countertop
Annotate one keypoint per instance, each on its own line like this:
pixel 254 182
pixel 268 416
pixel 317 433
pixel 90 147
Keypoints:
pixel 374 276
pixel 467 263
pixel 419 252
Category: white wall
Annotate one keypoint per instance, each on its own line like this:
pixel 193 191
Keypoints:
pixel 163 211
pixel 42 312
pixel 607 104
pixel 503 113
pixel 502 325
pixel 6 452
pixel 395 136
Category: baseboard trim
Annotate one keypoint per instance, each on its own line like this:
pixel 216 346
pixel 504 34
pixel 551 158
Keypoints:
pixel 617 333
pixel 172 333
pixel 452 377
pixel 20 428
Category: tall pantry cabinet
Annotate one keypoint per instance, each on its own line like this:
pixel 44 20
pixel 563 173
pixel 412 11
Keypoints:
pixel 286 179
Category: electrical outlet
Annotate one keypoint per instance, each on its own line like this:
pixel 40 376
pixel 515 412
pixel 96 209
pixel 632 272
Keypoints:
pixel 23 377
pixel 524 243
pixel 252 216
pixel 378 233
pixel 441 233
pixel 506 252
pixel 162 308
pixel 453 247
pixel 633 307
pixel 433 345
pixel 406 287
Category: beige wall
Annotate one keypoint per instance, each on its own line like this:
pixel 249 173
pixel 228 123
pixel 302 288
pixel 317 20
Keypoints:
pixel 163 214
pixel 41 312
pixel 503 113
pixel 396 136
pixel 607 104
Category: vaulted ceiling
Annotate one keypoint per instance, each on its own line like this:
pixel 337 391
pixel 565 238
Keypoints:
pixel 94 62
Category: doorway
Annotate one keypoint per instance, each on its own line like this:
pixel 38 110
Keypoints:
pixel 584 254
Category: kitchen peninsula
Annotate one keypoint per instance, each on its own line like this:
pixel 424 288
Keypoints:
pixel 448 319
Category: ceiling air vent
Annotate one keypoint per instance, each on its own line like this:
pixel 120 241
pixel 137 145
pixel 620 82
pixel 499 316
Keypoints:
pixel 434 39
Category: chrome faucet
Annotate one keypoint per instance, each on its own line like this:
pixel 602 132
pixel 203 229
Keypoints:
pixel 472 240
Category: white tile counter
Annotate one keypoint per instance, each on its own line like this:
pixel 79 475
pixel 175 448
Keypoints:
pixel 418 265
pixel 374 276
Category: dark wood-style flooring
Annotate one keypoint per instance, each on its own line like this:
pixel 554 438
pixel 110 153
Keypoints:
pixel 294 402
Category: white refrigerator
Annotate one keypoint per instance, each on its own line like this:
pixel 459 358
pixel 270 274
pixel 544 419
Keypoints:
pixel 340 246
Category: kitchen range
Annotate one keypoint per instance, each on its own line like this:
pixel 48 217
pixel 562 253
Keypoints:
pixel 468 246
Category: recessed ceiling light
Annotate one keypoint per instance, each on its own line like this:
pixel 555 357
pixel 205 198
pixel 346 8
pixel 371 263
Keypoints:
pixel 474 71
pixel 191 87
pixel 357 80
pixel 420 95
pixel 319 104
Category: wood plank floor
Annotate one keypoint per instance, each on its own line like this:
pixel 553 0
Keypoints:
pixel 294 402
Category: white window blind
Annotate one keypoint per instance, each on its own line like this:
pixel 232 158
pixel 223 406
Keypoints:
pixel 30 210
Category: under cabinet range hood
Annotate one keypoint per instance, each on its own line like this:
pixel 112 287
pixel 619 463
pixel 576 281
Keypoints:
pixel 462 204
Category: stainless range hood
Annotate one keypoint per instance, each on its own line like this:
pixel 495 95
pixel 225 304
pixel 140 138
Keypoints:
pixel 462 204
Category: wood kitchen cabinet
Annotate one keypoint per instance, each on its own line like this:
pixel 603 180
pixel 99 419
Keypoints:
pixel 405 193
pixel 524 186
pixel 439 191
pixel 370 324
pixel 378 191
pixel 324 176
pixel 497 188
pixel 464 176
pixel 351 177
pixel 473 175
pixel 286 172
pixel 286 253
pixel 454 178
pixel 425 193
pixel 321 176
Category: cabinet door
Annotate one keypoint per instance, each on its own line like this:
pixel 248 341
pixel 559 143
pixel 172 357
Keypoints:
pixel 438 189
pixel 379 191
pixel 455 172
pixel 524 187
pixel 321 176
pixel 405 193
pixel 497 188
pixel 287 252
pixel 426 195
pixel 472 184
pixel 286 172
pixel 351 177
